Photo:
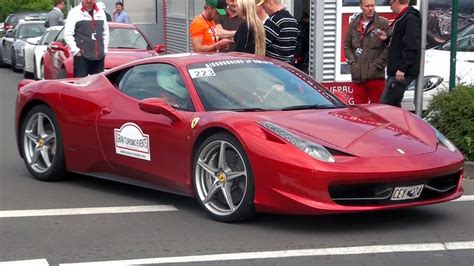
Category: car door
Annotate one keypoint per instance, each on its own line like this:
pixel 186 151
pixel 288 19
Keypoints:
pixel 144 146
pixel 7 46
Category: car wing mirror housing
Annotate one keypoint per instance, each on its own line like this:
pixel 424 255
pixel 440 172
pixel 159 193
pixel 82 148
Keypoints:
pixel 160 48
pixel 59 46
pixel 159 106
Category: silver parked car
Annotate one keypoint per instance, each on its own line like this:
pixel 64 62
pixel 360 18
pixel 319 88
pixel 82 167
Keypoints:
pixel 13 42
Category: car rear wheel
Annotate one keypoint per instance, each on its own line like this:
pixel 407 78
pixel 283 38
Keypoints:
pixel 1 57
pixel 41 145
pixel 28 75
pixel 13 61
pixel 223 180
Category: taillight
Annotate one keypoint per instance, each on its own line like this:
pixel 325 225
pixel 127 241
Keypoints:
pixel 8 26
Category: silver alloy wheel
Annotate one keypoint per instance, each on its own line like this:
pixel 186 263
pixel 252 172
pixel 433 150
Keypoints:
pixel 39 142
pixel 221 178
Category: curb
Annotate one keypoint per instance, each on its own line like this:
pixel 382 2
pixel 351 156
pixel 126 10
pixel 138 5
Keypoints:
pixel 469 170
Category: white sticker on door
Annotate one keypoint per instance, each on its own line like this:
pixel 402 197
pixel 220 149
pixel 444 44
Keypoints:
pixel 130 141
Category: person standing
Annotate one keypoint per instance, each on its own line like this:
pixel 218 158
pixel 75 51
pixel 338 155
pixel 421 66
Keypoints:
pixel 262 15
pixel 203 31
pixel 404 51
pixel 119 15
pixel 250 36
pixel 228 24
pixel 87 34
pixel 55 16
pixel 366 53
pixel 102 6
pixel 281 31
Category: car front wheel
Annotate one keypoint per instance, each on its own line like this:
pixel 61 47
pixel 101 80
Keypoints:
pixel 41 145
pixel 223 180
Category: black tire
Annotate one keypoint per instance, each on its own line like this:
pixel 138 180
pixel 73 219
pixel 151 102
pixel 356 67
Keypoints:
pixel 13 61
pixel 28 75
pixel 2 64
pixel 39 167
pixel 62 74
pixel 240 189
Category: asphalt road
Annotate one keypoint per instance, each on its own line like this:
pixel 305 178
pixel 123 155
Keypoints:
pixel 444 233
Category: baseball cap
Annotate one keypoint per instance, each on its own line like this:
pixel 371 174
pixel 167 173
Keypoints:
pixel 260 3
pixel 219 5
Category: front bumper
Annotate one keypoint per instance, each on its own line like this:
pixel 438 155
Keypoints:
pixel 322 188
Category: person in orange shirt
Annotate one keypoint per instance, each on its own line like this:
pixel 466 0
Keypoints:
pixel 203 31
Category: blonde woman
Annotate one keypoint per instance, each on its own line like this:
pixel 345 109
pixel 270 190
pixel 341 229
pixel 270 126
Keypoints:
pixel 250 36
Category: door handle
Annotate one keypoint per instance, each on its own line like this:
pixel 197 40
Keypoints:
pixel 105 110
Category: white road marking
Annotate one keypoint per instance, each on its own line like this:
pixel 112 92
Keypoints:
pixel 465 198
pixel 467 245
pixel 39 262
pixel 84 211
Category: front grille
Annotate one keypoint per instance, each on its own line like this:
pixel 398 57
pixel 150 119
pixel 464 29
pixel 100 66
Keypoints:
pixel 381 193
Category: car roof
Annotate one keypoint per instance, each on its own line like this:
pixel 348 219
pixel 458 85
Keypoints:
pixel 121 25
pixel 186 59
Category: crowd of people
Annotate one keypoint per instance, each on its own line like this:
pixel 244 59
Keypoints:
pixel 372 45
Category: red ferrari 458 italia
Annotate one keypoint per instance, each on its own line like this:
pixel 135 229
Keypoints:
pixel 126 43
pixel 240 133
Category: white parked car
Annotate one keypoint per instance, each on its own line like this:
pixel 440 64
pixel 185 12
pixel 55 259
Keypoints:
pixel 437 68
pixel 34 50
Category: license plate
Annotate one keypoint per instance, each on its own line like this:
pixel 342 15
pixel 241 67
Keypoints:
pixel 405 193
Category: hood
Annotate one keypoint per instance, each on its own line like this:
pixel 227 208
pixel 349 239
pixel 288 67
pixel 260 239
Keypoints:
pixel 361 132
pixel 413 11
pixel 116 57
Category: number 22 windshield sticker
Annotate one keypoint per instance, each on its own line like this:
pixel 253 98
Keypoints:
pixel 201 72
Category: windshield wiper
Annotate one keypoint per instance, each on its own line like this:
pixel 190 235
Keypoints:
pixel 310 106
pixel 255 109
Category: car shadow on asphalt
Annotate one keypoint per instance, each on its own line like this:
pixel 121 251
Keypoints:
pixel 400 218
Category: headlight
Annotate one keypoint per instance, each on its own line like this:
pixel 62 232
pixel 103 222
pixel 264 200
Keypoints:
pixel 429 83
pixel 312 149
pixel 445 141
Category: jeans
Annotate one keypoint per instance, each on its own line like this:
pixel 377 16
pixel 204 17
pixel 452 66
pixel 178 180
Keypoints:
pixel 84 67
pixel 394 90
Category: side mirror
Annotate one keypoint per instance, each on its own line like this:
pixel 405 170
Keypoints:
pixel 59 46
pixel 33 41
pixel 9 34
pixel 159 106
pixel 160 48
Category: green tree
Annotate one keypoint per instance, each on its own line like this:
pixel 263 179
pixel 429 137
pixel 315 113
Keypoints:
pixel 13 6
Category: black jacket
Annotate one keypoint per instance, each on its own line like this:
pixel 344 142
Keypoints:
pixel 404 49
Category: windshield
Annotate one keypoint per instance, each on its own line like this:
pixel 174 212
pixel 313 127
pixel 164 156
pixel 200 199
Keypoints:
pixel 127 39
pixel 465 42
pixel 31 30
pixel 255 85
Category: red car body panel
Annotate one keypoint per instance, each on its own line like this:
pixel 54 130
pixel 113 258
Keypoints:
pixel 56 60
pixel 286 179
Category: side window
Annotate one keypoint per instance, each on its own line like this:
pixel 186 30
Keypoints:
pixel 49 38
pixel 157 81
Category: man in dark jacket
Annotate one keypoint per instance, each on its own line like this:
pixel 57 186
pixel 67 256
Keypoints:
pixel 87 34
pixel 366 53
pixel 404 51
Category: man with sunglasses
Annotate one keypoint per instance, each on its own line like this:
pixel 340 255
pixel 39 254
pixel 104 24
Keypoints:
pixel 404 51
